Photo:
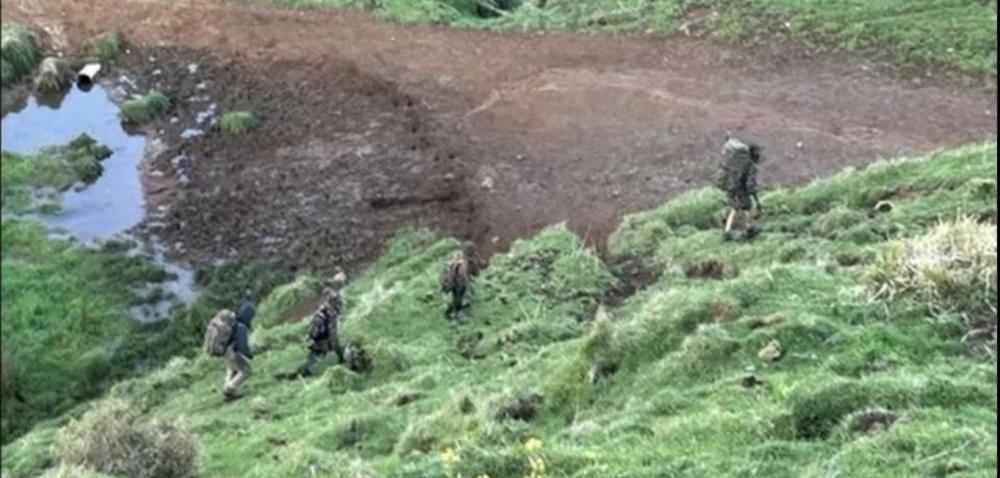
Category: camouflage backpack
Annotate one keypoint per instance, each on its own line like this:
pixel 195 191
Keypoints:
pixel 219 333
pixel 319 329
pixel 737 159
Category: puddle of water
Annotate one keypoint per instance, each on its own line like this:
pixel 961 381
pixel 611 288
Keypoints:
pixel 115 202
pixel 179 289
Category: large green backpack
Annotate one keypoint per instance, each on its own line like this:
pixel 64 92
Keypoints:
pixel 219 333
pixel 737 159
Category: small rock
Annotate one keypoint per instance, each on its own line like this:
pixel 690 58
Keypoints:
pixel 495 239
pixel 202 86
pixel 449 177
pixel 771 352
pixel 157 72
pixel 519 157
pixel 616 193
pixel 193 68
pixel 156 173
pixel 152 59
pixel 798 145
pixel 487 183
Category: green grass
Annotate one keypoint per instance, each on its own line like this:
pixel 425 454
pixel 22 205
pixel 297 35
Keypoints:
pixel 958 34
pixel 64 325
pixel 144 109
pixel 32 181
pixel 18 50
pixel 238 123
pixel 66 331
pixel 53 76
pixel 672 405
pixel 106 47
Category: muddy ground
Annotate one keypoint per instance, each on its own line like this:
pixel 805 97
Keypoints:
pixel 369 126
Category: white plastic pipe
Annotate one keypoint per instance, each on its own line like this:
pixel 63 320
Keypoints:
pixel 88 73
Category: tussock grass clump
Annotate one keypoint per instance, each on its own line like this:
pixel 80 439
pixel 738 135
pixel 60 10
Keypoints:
pixel 639 232
pixel 836 221
pixel 146 108
pixel 57 167
pixel 18 50
pixel 85 156
pixel 106 46
pixel 6 72
pixel 284 300
pixel 818 408
pixel 53 75
pixel 953 268
pixel 108 439
pixel 238 123
pixel 601 348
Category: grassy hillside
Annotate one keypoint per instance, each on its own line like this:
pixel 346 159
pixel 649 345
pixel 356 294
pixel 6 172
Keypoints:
pixel 67 334
pixel 540 379
pixel 950 33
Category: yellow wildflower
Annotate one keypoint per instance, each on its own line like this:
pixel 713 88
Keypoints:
pixel 537 464
pixel 450 456
pixel 533 444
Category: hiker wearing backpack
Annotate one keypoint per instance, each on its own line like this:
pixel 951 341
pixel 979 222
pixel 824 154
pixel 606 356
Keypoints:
pixel 228 337
pixel 738 179
pixel 324 334
pixel 456 279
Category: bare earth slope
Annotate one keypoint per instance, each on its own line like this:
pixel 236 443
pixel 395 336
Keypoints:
pixel 368 126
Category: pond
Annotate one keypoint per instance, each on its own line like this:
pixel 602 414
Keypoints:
pixel 115 203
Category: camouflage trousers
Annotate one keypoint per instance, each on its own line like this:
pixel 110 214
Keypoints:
pixel 319 350
pixel 238 370
pixel 457 302
pixel 739 200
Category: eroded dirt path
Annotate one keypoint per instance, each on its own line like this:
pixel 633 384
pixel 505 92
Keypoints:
pixel 371 125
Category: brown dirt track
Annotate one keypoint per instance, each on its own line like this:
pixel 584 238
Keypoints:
pixel 369 126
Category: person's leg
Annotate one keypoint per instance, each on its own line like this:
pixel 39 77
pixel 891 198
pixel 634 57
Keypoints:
pixel 462 304
pixel 230 371
pixel 307 368
pixel 243 370
pixel 337 349
pixel 751 223
pixel 455 305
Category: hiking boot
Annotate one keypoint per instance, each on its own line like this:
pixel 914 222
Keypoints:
pixel 728 236
pixel 230 396
pixel 753 232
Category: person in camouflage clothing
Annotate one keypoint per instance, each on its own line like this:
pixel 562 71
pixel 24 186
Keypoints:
pixel 456 279
pixel 738 179
pixel 324 334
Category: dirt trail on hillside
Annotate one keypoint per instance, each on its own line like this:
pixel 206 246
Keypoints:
pixel 370 125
